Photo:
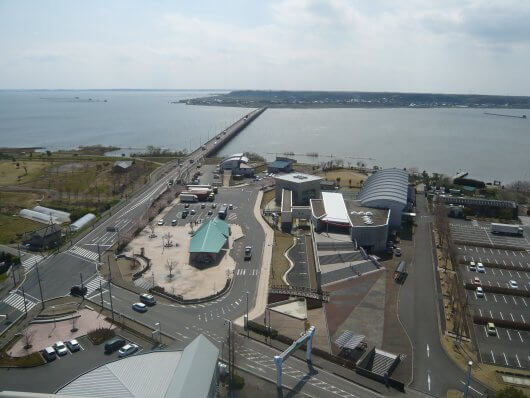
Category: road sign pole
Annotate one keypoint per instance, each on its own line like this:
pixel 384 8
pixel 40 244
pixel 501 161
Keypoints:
pixel 101 293
pixel 110 290
pixel 40 286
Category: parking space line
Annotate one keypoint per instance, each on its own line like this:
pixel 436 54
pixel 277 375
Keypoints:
pixel 495 298
pixel 501 272
pixel 510 272
pixel 518 362
pixel 524 301
pixel 491 314
pixel 492 356
pixel 522 317
pixel 505 359
pixel 521 337
pixel 502 317
pixel 508 333
pixel 480 312
pixel 493 271
pixel 514 300
pixel 504 297
pixel 513 320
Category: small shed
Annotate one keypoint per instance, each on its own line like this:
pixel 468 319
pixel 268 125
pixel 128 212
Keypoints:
pixel 279 166
pixel 122 166
pixel 45 238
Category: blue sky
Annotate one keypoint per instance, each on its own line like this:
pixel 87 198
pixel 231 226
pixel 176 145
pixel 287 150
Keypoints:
pixel 464 46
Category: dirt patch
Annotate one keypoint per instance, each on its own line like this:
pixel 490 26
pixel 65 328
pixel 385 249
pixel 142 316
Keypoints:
pixel 64 168
pixel 345 178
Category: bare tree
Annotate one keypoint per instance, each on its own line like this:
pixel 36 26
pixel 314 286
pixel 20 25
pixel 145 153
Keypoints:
pixel 152 228
pixel 167 237
pixel 27 336
pixel 170 265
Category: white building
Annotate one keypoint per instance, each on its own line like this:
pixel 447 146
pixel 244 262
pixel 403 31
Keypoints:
pixel 303 186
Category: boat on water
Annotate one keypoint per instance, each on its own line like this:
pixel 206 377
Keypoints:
pixel 504 115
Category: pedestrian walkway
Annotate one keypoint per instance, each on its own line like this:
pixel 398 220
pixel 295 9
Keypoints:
pixel 143 283
pixel 16 300
pixel 79 251
pixel 94 285
pixel 29 262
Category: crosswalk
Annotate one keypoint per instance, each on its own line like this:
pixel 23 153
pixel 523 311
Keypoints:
pixel 143 283
pixel 94 285
pixel 16 300
pixel 246 272
pixel 29 262
pixel 81 252
pixel 231 217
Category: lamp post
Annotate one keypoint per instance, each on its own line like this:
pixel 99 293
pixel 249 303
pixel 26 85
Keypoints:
pixel 159 331
pixel 469 364
pixel 246 319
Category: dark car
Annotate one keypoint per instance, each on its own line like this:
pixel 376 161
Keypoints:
pixel 78 290
pixel 114 344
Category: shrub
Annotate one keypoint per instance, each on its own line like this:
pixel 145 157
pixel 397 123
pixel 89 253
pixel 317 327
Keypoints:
pixel 100 335
pixel 261 329
pixel 238 382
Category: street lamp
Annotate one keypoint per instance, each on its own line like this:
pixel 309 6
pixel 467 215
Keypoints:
pixel 246 317
pixel 159 331
pixel 469 364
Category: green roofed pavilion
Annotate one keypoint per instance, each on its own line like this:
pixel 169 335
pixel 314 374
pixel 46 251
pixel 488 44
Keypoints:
pixel 210 237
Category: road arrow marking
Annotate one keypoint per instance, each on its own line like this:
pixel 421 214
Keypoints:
pixel 428 351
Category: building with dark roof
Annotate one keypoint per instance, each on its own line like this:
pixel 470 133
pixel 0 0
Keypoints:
pixel 122 166
pixel 281 165
pixel 44 238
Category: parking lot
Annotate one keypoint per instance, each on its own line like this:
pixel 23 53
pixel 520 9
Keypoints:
pixel 479 233
pixel 507 347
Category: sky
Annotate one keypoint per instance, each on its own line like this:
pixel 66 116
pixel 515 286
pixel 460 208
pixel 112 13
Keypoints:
pixel 446 46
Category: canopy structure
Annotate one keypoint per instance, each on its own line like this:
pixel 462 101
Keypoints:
pixel 210 237
pixel 349 340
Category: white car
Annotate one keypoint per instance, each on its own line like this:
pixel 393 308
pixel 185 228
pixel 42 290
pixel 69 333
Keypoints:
pixel 472 266
pixel 479 291
pixel 480 268
pixel 127 349
pixel 73 345
pixel 230 206
pixel 60 348
pixel 514 284
pixel 193 212
pixel 161 222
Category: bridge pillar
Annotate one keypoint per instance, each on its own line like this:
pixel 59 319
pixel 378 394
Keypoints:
pixel 279 362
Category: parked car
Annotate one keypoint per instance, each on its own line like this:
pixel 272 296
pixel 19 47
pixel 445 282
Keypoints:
pixel 514 284
pixel 187 206
pixel 128 349
pixel 248 253
pixel 472 266
pixel 140 307
pixel 147 299
pixel 397 252
pixel 49 354
pixel 60 348
pixel 479 291
pixel 492 330
pixel 184 214
pixel 114 344
pixel 230 206
pixel 173 222
pixel 481 268
pixel 476 280
pixel 210 212
pixel 73 345
pixel 161 222
pixel 78 290
pixel 193 212
pixel 203 205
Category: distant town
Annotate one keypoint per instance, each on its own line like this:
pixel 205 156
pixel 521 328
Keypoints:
pixel 357 99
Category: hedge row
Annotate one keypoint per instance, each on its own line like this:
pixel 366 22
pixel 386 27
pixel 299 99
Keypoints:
pixel 261 329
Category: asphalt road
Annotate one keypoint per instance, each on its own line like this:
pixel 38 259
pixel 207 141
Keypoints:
pixel 433 371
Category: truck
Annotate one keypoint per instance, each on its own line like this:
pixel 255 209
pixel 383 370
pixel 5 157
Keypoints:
pixel 506 229
pixel 188 198
pixel 201 193
pixel 223 211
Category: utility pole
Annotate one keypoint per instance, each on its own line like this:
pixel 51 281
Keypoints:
pixel 25 305
pixel 99 254
pixel 246 319
pixel 81 275
pixel 110 290
pixel 469 364
pixel 101 293
pixel 40 286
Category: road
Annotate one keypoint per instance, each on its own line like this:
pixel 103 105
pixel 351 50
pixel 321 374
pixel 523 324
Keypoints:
pixel 433 371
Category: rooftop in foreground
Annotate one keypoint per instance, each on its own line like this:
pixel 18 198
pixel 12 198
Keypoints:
pixel 298 177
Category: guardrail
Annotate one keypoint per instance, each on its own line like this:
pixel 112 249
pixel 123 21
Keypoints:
pixel 300 292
